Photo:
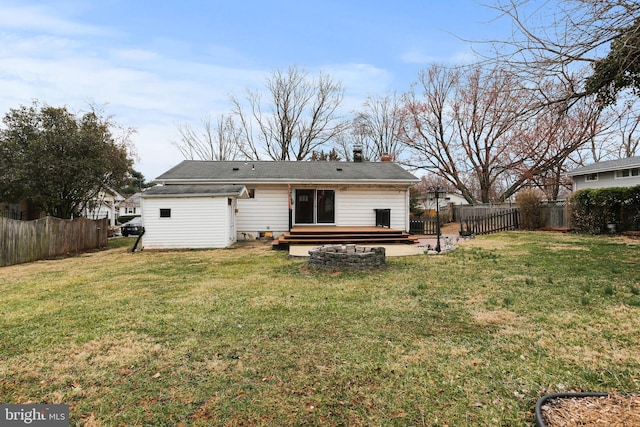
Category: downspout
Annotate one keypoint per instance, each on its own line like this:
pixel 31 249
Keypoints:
pixel 135 245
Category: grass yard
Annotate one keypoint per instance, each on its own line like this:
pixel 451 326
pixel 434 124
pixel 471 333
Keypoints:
pixel 245 336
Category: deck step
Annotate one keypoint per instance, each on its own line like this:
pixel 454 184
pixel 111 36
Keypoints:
pixel 345 236
pixel 347 240
pixel 364 235
pixel 371 230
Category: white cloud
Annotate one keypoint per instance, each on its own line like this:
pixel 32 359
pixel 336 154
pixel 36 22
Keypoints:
pixel 43 19
pixel 419 57
pixel 148 86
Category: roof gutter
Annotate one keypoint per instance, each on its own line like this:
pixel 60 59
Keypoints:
pixel 287 181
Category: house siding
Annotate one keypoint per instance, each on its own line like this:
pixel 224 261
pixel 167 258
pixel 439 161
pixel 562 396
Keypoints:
pixel 268 211
pixel 605 180
pixel 195 222
pixel 357 207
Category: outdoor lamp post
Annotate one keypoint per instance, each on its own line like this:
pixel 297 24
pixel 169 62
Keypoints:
pixel 436 192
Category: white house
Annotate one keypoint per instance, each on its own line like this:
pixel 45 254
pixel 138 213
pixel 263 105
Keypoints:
pixel 613 173
pixel 445 199
pixel 130 206
pixel 212 204
pixel 103 205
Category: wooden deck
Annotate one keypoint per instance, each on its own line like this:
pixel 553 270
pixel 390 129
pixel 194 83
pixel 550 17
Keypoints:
pixel 341 235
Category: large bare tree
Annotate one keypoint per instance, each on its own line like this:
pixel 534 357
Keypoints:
pixel 474 127
pixel 219 141
pixel 299 116
pixel 462 125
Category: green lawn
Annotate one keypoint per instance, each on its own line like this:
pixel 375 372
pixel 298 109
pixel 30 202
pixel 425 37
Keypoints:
pixel 246 336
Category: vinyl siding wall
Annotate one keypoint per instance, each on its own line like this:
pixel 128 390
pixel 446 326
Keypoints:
pixel 195 222
pixel 605 180
pixel 269 211
pixel 356 207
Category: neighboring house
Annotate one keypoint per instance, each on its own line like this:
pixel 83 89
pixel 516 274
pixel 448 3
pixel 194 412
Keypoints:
pixel 130 206
pixel 206 204
pixel 429 201
pixel 613 173
pixel 104 206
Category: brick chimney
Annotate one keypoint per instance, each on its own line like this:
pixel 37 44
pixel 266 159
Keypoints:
pixel 386 157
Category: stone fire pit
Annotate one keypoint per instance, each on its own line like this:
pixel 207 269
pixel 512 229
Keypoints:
pixel 347 257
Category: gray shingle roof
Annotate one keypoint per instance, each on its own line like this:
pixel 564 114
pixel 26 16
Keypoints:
pixel 611 165
pixel 194 190
pixel 241 172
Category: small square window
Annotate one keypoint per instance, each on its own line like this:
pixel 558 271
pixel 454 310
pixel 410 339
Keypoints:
pixel 165 213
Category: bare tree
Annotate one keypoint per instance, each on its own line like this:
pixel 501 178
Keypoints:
pixel 378 127
pixel 628 129
pixel 221 141
pixel 616 134
pixel 463 125
pixel 346 141
pixel 475 129
pixel 552 136
pixel 554 40
pixel 300 116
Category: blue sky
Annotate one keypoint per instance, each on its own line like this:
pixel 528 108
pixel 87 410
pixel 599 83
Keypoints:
pixel 157 63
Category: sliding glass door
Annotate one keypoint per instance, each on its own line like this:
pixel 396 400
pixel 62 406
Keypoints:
pixel 315 206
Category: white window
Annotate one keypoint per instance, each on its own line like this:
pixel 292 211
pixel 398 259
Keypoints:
pixel 626 173
pixel 591 177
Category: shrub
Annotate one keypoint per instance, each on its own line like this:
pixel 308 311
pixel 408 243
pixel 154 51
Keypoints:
pixel 530 205
pixel 593 209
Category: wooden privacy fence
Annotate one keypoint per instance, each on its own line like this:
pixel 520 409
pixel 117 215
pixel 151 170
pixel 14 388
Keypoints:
pixel 26 241
pixel 555 215
pixel 490 223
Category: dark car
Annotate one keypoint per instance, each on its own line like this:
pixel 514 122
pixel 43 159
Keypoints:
pixel 133 227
